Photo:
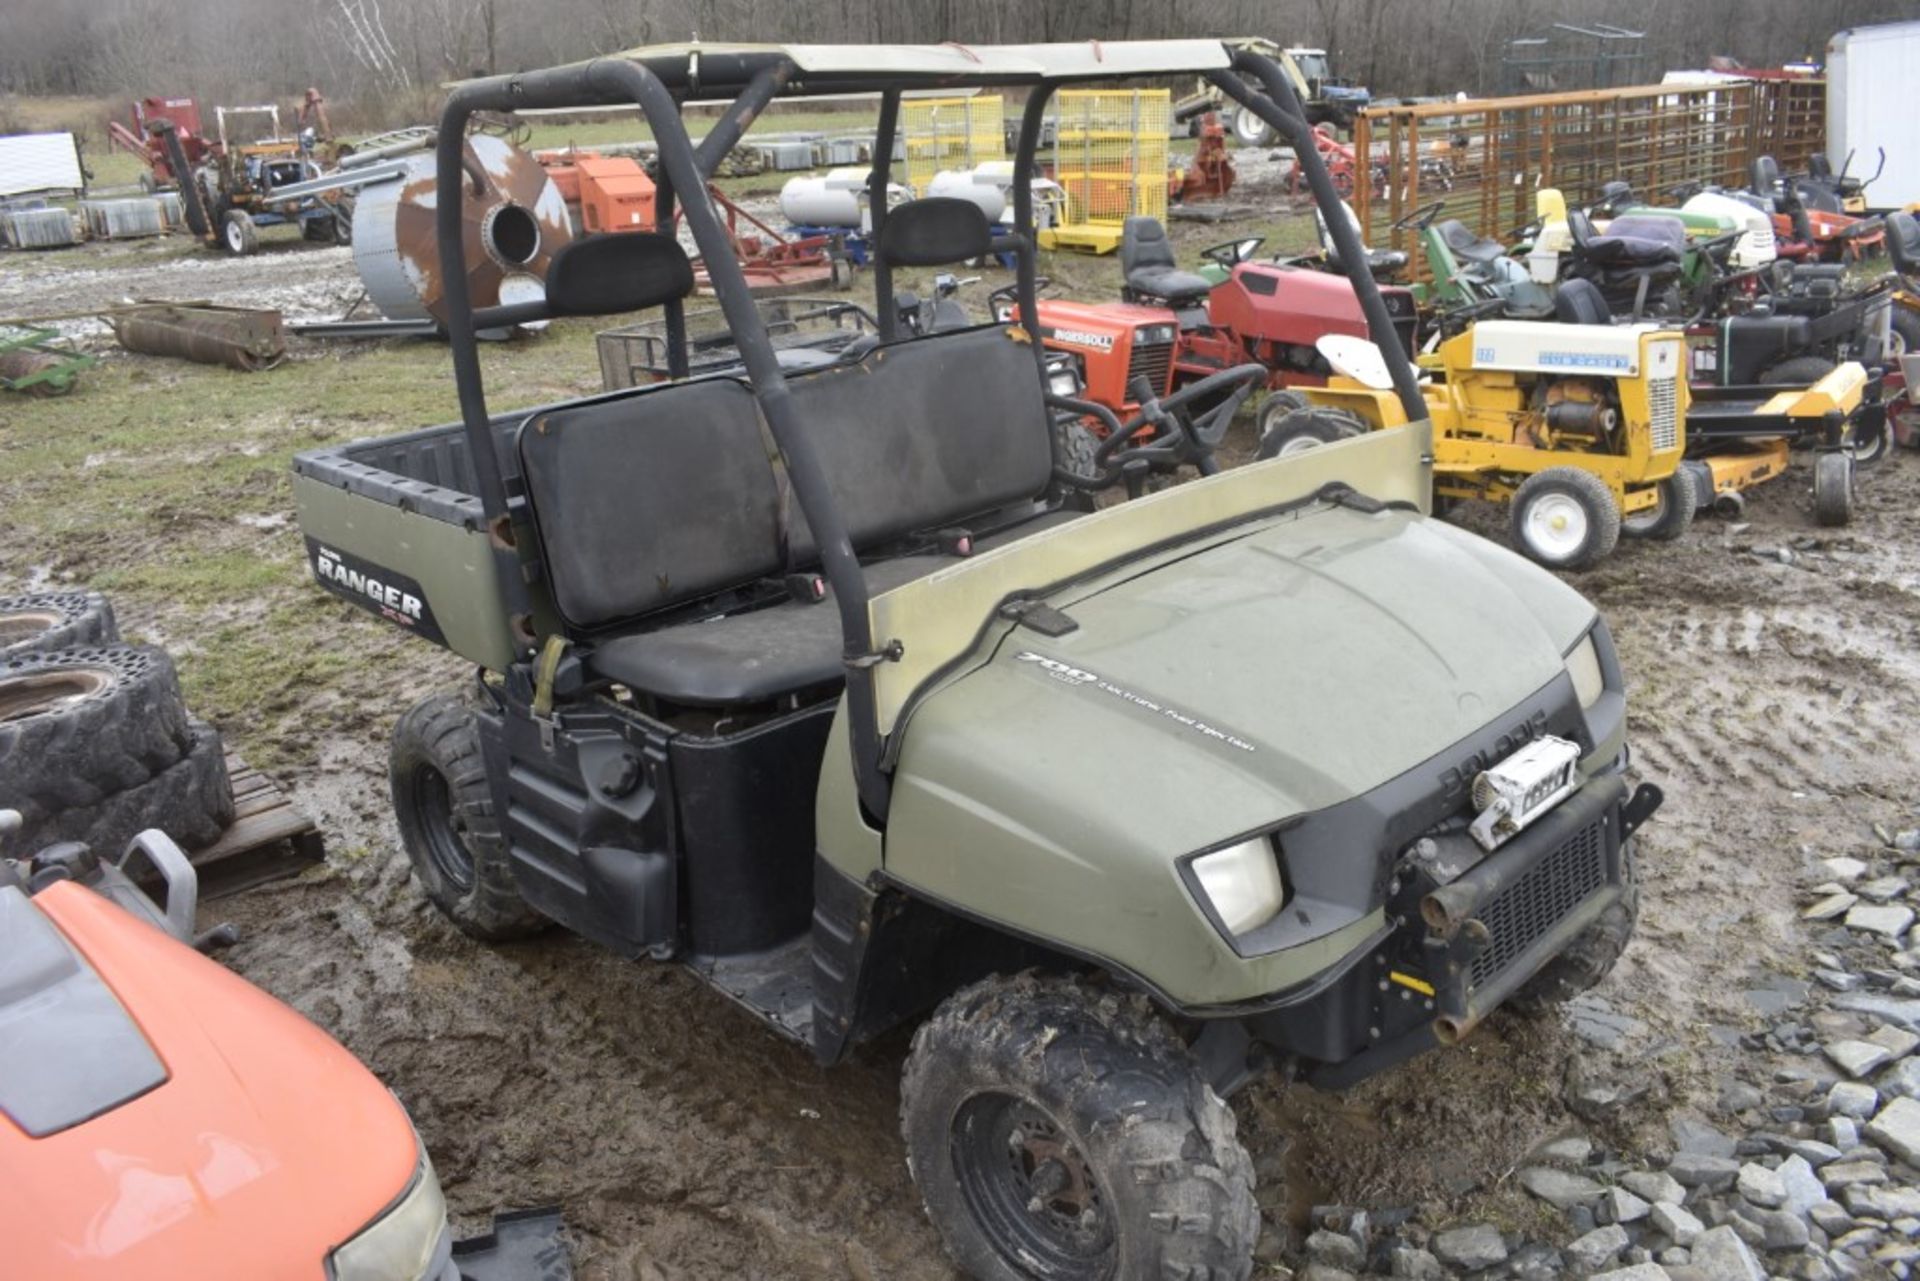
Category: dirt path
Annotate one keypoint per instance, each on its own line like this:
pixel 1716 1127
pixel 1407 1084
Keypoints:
pixel 306 282
pixel 1770 699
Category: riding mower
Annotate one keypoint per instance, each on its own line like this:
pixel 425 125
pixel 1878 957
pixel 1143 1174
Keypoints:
pixel 1589 429
pixel 1174 327
pixel 1750 320
pixel 1578 428
pixel 1810 217
pixel 787 677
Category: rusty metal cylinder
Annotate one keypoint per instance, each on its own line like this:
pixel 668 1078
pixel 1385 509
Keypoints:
pixel 240 338
pixel 17 366
pixel 514 220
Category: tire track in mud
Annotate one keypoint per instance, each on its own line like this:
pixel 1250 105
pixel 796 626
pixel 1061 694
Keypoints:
pixel 681 1138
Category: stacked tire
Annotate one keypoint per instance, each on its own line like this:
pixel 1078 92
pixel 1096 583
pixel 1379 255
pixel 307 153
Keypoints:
pixel 96 744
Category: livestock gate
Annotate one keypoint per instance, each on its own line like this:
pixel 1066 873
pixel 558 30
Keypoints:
pixel 1486 158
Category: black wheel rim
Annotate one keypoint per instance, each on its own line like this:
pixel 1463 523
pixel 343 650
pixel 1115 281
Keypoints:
pixel 1030 1190
pixel 442 829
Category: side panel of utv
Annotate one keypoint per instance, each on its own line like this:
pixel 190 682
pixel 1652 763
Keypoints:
pixel 665 804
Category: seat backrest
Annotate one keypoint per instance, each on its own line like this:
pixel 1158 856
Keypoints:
pixel 1903 242
pixel 935 231
pixel 1144 243
pixel 922 434
pixel 1580 302
pixel 1580 228
pixel 669 495
pixel 1765 176
pixel 648 500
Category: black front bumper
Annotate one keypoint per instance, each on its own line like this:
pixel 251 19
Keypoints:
pixel 1453 951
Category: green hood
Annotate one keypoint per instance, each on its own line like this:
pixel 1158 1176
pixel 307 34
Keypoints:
pixel 1322 655
pixel 1204 698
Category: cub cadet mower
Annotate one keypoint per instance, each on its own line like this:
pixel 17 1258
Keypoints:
pixel 786 676
pixel 161 1118
pixel 1578 427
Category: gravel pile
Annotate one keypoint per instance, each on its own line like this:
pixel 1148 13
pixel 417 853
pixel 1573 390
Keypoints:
pixel 1809 1169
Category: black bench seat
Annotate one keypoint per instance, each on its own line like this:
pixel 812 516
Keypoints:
pixel 668 504
pixel 760 654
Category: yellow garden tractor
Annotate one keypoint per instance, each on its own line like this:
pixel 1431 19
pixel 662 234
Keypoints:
pixel 1590 430
pixel 1578 427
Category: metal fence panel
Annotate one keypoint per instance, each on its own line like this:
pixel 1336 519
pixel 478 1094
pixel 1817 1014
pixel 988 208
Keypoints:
pixel 1485 159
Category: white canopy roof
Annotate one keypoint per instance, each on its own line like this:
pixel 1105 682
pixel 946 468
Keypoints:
pixel 1087 59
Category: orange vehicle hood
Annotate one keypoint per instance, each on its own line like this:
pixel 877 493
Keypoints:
pixel 267 1145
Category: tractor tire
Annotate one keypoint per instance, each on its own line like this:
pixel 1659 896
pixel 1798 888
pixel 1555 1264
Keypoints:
pixel 1833 488
pixel 1873 448
pixel 1671 516
pixel 44 621
pixel 1701 477
pixel 447 824
pixel 1904 338
pixel 191 801
pixel 1592 954
pixel 1797 371
pixel 238 234
pixel 1250 130
pixel 79 725
pixel 1074 446
pixel 1299 430
pixel 1277 405
pixel 1059 1129
pixel 1565 518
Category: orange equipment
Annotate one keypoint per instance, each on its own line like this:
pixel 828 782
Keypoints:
pixel 1210 176
pixel 615 194
pixel 603 193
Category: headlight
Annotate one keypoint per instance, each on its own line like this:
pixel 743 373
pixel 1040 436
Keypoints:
pixel 1242 883
pixel 1583 665
pixel 409 1242
pixel 1153 335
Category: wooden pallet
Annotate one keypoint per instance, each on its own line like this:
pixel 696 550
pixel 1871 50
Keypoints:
pixel 268 840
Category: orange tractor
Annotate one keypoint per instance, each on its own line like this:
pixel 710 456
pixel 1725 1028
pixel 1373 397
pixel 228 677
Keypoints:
pixel 1174 327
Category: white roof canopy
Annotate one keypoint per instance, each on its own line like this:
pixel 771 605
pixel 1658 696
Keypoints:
pixel 1080 60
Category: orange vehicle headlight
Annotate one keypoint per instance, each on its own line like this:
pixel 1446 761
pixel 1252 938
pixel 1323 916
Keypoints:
pixel 410 1241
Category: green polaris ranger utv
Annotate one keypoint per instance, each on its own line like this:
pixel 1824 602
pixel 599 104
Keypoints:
pixel 817 675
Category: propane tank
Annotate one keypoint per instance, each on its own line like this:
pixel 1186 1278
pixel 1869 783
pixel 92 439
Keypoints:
pixel 990 186
pixel 837 198
pixel 513 217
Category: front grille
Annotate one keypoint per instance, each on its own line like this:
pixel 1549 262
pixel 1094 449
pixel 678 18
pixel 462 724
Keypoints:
pixel 1663 396
pixel 1543 896
pixel 1151 362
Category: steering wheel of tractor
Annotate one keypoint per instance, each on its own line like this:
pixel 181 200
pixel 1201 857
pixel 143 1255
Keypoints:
pixel 1234 252
pixel 1421 218
pixel 1179 435
pixel 1008 294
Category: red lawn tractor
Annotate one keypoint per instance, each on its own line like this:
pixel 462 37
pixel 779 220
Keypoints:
pixel 1175 327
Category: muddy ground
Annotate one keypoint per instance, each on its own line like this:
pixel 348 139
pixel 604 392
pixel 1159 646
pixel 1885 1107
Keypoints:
pixel 1772 668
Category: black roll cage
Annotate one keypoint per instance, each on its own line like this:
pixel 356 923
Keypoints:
pixel 658 86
